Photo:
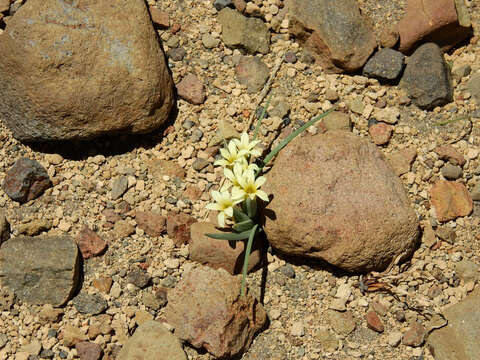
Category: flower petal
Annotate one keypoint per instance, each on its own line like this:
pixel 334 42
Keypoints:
pixel 216 195
pixel 221 219
pixel 262 195
pixel 213 206
pixel 260 181
pixel 229 211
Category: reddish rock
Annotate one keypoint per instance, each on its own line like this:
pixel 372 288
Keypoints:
pixel 160 17
pixel 191 89
pixel 206 310
pixel 380 133
pixel 89 243
pixel 450 154
pixel 252 72
pixel 336 32
pixel 26 180
pixel 176 27
pixel 337 199
pixel 118 59
pixel 192 192
pixel 401 160
pixel 153 224
pixel 431 21
pixel 103 284
pixel 450 200
pixel 240 5
pixel 88 350
pixel 111 216
pixel 374 322
pixel 415 335
pixel 178 227
pixel 221 253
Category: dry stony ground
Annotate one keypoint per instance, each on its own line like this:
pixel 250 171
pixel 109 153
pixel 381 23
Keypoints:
pixel 296 296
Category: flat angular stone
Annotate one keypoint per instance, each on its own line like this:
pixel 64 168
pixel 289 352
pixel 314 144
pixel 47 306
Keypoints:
pixel 238 31
pixel 450 200
pixel 252 72
pixel 459 339
pixel 152 341
pixel 48 272
pixel 336 32
pixel 207 311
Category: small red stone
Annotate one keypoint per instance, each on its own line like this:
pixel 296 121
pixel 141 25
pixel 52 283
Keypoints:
pixel 374 322
pixel 89 243
pixel 380 133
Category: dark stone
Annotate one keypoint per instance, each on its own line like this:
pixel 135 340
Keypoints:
pixel 220 4
pixel 26 180
pixel 47 354
pixel 288 271
pixel 427 78
pixel 290 57
pixel 385 65
pixel 176 54
pixel 139 278
pixel 90 303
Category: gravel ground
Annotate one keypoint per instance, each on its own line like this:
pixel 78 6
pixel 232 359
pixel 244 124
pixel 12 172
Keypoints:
pixel 297 296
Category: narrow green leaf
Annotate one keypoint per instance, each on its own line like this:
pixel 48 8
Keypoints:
pixel 239 216
pixel 247 256
pixel 243 226
pixel 262 116
pixel 251 208
pixel 290 137
pixel 230 236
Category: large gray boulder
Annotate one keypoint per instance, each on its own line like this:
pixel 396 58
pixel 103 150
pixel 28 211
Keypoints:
pixel 336 198
pixel 80 69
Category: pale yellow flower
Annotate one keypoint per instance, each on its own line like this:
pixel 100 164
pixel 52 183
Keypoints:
pixel 247 166
pixel 249 146
pixel 230 154
pixel 223 204
pixel 235 175
pixel 250 187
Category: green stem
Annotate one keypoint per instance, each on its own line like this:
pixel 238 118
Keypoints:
pixel 294 134
pixel 247 256
pixel 262 115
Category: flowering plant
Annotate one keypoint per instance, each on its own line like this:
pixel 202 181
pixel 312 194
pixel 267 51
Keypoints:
pixel 236 202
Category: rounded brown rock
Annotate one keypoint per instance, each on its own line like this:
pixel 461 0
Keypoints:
pixel 335 198
pixel 81 69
